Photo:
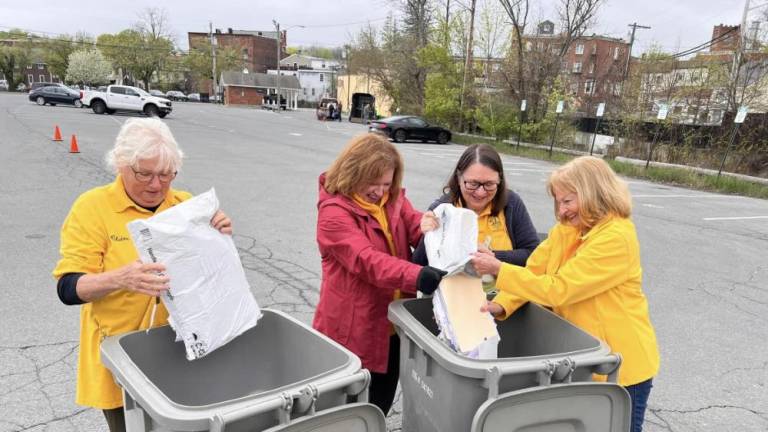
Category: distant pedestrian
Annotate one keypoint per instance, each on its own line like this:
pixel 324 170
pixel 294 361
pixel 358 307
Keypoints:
pixel 366 113
pixel 331 111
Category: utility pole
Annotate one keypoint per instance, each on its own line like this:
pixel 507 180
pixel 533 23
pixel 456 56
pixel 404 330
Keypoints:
pixel 215 88
pixel 468 64
pixel 634 26
pixel 447 23
pixel 737 57
pixel 277 26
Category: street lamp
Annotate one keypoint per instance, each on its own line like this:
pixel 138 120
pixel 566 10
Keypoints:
pixel 279 39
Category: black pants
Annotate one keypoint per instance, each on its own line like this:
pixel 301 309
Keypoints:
pixel 384 385
pixel 115 419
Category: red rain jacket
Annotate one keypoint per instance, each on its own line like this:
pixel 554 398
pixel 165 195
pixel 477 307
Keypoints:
pixel 360 276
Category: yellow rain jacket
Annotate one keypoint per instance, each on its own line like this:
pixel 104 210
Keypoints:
pixel 593 281
pixel 95 239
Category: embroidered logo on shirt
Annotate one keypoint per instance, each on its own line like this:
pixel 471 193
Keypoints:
pixel 118 238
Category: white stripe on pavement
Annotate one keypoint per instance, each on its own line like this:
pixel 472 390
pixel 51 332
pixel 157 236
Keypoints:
pixel 735 218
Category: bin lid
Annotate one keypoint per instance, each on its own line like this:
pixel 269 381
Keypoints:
pixel 587 406
pixel 359 417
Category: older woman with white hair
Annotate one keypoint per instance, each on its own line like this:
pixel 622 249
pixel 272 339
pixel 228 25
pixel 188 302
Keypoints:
pixel 99 267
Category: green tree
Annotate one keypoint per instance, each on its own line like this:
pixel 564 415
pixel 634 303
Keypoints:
pixel 56 52
pixel 199 62
pixel 442 94
pixel 88 66
pixel 14 56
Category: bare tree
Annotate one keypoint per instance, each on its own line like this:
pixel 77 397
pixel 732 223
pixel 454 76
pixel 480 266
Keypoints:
pixel 575 17
pixel 517 11
pixel 468 63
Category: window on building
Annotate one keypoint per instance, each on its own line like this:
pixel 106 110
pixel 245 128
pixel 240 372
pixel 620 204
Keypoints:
pixel 589 87
pixel 616 53
pixel 594 49
pixel 574 89
pixel 30 78
pixel 305 91
pixel 295 65
pixel 321 77
pixel 591 68
pixel 41 65
pixel 528 46
pixel 579 49
pixel 41 77
pixel 313 91
pixel 29 66
pixel 577 67
pixel 617 89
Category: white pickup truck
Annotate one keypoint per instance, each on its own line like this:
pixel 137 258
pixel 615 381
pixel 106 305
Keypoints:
pixel 126 98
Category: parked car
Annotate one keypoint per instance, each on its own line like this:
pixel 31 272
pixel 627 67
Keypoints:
pixel 3 85
pixel 402 128
pixel 176 95
pixel 126 98
pixel 193 97
pixel 55 94
pixel 158 93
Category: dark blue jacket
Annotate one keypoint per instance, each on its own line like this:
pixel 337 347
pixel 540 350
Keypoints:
pixel 519 226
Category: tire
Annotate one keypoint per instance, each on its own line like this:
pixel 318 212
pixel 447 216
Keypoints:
pixel 162 114
pixel 99 107
pixel 400 135
pixel 442 137
pixel 78 103
pixel 40 101
pixel 151 111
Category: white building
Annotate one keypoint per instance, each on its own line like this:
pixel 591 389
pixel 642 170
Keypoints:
pixel 317 76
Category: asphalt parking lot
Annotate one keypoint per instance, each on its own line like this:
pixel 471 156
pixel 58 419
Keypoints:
pixel 705 256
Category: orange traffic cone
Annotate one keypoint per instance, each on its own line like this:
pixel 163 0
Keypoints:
pixel 73 145
pixel 57 134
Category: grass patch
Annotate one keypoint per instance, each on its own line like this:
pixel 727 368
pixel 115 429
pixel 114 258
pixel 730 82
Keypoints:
pixel 665 175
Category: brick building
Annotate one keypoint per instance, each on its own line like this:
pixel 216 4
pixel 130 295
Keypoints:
pixel 593 66
pixel 258 48
pixel 259 89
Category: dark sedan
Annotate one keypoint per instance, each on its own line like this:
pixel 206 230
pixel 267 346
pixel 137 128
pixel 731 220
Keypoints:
pixel 402 128
pixel 55 95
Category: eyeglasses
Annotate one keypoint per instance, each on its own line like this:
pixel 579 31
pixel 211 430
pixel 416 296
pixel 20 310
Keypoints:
pixel 475 185
pixel 146 177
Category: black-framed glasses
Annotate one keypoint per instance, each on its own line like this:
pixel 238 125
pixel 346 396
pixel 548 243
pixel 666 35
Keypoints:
pixel 146 177
pixel 488 186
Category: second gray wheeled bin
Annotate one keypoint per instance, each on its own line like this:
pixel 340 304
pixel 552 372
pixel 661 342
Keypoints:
pixel 443 390
pixel 277 371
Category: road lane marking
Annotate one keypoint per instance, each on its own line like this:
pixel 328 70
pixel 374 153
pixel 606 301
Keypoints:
pixel 685 196
pixel 295 134
pixel 653 206
pixel 734 218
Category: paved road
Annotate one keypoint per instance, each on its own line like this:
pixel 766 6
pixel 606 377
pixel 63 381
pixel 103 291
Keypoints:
pixel 705 255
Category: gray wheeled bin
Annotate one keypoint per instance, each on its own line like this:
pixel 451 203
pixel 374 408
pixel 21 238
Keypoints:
pixel 357 417
pixel 278 370
pixel 583 406
pixel 442 390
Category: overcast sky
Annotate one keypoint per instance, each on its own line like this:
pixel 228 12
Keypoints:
pixel 676 24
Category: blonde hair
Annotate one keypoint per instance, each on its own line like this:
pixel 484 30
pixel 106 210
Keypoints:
pixel 141 139
pixel 600 191
pixel 365 159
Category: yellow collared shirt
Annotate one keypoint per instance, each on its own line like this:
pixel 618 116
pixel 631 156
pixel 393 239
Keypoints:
pixel 595 282
pixel 95 239
pixel 495 228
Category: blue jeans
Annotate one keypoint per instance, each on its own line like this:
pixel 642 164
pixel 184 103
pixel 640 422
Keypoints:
pixel 639 394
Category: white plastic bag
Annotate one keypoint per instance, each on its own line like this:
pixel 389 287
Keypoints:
pixel 209 301
pixel 449 247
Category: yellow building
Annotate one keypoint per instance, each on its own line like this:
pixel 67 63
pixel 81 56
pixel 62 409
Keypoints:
pixel 348 85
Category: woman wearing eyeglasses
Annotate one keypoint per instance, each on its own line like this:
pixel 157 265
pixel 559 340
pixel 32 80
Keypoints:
pixel 99 267
pixel 504 226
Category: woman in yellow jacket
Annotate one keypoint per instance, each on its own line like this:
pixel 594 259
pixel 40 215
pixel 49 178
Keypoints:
pixel 588 271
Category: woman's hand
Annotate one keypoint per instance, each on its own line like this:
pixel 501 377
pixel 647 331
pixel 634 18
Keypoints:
pixel 485 262
pixel 494 309
pixel 148 279
pixel 221 222
pixel 429 222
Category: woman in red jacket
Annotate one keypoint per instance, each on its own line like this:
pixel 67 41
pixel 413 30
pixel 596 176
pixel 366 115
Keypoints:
pixel 366 228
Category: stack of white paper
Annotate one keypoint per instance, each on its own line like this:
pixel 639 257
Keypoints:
pixel 457 302
pixel 209 301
